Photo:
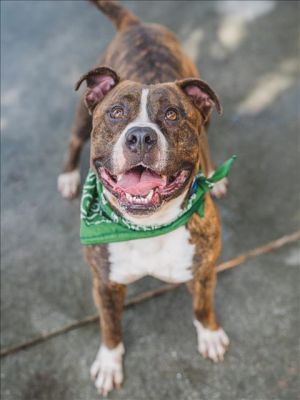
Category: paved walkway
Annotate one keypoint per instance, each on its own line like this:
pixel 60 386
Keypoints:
pixel 250 56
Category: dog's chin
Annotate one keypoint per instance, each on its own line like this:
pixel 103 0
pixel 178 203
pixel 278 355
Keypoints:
pixel 142 191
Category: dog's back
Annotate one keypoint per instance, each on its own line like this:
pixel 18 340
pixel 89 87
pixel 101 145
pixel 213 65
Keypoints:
pixel 147 53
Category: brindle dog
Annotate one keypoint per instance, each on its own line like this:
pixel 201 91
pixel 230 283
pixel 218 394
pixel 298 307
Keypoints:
pixel 147 123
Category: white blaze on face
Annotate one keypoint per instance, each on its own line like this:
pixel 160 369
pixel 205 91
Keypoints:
pixel 142 120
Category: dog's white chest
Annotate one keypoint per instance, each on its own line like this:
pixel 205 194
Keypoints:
pixel 168 257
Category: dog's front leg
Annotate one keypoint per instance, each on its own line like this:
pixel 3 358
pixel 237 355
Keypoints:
pixel 212 340
pixel 107 369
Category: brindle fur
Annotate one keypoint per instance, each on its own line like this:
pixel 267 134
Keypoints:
pixel 182 136
pixel 144 53
pixel 149 54
pixel 206 235
pixel 108 296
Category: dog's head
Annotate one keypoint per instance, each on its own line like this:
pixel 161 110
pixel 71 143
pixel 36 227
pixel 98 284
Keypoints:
pixel 145 141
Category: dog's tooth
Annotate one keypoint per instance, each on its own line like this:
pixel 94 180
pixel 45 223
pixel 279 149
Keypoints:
pixel 128 197
pixel 119 177
pixel 149 196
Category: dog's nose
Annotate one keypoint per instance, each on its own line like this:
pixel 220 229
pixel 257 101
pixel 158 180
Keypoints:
pixel 141 139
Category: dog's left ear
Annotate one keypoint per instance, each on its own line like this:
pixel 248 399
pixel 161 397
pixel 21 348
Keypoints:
pixel 202 95
pixel 99 82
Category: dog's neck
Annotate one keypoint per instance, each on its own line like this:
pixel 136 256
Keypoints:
pixel 165 215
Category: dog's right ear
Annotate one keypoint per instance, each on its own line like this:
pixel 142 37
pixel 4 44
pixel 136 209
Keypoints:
pixel 99 82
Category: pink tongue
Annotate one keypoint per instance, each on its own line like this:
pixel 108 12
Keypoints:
pixel 137 183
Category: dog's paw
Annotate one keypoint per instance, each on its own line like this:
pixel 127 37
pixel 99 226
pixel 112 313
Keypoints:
pixel 107 369
pixel 211 344
pixel 68 184
pixel 220 188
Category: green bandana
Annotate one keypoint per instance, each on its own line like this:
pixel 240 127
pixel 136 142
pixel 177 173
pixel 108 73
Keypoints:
pixel 100 224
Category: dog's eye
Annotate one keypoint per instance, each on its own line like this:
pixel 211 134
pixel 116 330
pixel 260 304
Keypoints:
pixel 171 115
pixel 117 113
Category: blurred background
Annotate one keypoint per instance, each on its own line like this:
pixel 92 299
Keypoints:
pixel 249 52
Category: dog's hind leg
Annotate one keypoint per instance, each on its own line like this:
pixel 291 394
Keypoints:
pixel 69 180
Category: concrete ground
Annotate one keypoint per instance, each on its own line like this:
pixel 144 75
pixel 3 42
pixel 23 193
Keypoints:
pixel 249 53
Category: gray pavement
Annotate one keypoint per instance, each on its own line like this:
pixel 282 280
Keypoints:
pixel 249 53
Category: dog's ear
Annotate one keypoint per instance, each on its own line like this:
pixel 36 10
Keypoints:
pixel 202 95
pixel 99 82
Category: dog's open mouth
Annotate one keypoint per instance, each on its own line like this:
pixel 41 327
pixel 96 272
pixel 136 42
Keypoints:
pixel 141 189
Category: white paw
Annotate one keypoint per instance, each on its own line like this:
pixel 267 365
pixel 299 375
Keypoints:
pixel 220 188
pixel 211 344
pixel 107 369
pixel 68 184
